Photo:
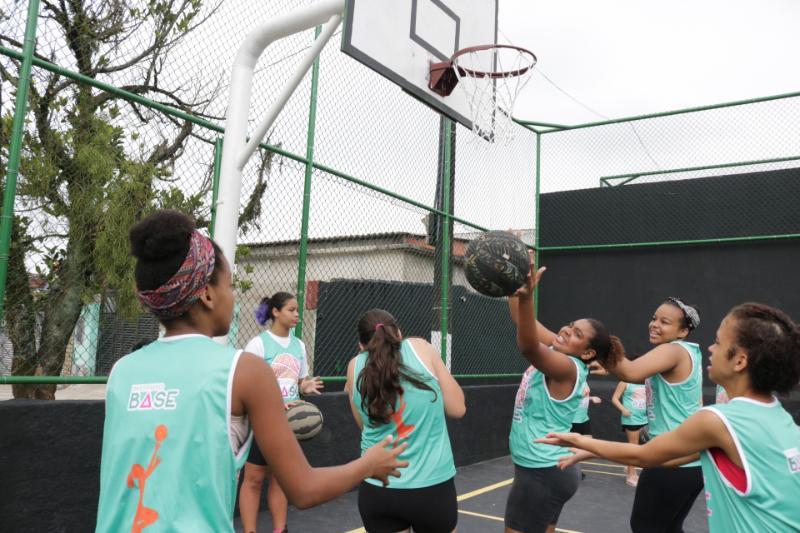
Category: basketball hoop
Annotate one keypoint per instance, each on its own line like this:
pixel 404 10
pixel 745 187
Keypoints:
pixel 491 77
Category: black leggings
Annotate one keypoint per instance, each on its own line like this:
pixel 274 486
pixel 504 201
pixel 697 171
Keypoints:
pixel 664 496
pixel 427 510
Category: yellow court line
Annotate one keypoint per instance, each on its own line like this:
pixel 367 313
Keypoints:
pixel 601 472
pixel 489 488
pixel 499 519
pixel 480 515
pixel 357 530
pixel 611 465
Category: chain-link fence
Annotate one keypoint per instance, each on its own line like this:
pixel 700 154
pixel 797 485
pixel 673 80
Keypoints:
pixel 340 205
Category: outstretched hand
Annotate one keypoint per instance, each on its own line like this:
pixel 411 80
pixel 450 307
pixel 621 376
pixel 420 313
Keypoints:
pixel 577 455
pixel 560 439
pixel 597 369
pixel 312 385
pixel 534 276
pixel 383 459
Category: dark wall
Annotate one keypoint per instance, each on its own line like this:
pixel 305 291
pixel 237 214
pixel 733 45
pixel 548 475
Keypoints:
pixel 738 205
pixel 623 287
pixel 50 452
pixel 484 339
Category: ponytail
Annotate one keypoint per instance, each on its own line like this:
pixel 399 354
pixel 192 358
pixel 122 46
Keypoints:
pixel 608 348
pixel 379 380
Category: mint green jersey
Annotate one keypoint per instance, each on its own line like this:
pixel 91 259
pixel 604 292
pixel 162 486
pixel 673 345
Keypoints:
pixel 669 404
pixel 536 414
pixel 168 460
pixel 768 442
pixel 721 396
pixel 289 363
pixel 634 399
pixel 418 419
pixel 582 412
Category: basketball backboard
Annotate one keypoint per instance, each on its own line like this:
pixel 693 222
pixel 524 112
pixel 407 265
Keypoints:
pixel 401 38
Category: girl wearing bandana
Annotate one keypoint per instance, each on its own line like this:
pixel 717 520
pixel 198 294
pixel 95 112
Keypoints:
pixel 673 378
pixel 179 410
pixel 749 447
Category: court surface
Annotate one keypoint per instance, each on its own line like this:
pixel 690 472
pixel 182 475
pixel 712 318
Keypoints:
pixel 601 505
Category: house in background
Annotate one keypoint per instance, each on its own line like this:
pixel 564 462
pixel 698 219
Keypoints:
pixel 401 257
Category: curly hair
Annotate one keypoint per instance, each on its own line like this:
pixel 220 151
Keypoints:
pixel 772 343
pixel 608 348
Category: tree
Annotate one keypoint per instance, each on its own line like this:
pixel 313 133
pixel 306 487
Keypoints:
pixel 87 174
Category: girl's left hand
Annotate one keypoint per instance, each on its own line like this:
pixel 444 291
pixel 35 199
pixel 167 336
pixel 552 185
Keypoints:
pixel 312 385
pixel 560 439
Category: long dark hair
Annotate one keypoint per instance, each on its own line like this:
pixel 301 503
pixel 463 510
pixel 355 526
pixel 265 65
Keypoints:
pixel 379 380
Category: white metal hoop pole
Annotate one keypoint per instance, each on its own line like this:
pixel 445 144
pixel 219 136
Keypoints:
pixel 236 150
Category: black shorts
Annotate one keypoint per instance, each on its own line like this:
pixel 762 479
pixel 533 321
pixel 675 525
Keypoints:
pixel 426 510
pixel 584 428
pixel 629 427
pixel 255 456
pixel 664 497
pixel 538 495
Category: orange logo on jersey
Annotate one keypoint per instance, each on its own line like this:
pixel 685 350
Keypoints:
pixel 403 430
pixel 138 476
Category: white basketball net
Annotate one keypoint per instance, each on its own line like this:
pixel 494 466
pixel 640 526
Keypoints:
pixel 491 79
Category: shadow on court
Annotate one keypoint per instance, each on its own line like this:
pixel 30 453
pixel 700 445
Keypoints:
pixel 602 504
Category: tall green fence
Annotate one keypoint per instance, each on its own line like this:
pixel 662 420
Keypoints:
pixel 124 114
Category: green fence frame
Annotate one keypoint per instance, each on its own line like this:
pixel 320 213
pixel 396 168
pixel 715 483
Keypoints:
pixel 28 61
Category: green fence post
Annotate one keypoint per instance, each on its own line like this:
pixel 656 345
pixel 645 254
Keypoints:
pixel 15 148
pixel 537 220
pixel 445 241
pixel 301 267
pixel 215 183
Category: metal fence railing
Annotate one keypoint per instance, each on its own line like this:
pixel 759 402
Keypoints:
pixel 337 204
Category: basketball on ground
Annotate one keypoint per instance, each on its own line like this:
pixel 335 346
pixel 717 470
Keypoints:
pixel 305 419
pixel 496 263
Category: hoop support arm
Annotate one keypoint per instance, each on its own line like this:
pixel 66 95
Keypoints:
pixel 236 149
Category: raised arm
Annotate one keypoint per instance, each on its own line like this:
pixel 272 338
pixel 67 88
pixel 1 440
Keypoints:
pixel 256 394
pixel 659 360
pixel 546 336
pixel 616 398
pixel 701 431
pixel 553 364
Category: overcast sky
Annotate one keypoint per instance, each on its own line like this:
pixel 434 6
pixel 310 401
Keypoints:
pixel 629 57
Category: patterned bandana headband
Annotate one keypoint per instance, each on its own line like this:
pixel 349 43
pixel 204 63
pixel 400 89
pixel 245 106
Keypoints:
pixel 173 298
pixel 692 316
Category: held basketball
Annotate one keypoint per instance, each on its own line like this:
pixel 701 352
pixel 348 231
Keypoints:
pixel 305 419
pixel 496 264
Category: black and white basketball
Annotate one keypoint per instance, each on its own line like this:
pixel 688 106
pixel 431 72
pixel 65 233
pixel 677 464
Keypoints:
pixel 496 263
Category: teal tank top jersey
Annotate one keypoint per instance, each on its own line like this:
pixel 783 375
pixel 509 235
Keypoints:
pixel 669 404
pixel 768 442
pixel 634 399
pixel 286 363
pixel 419 420
pixel 720 395
pixel 168 462
pixel 582 412
pixel 536 414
